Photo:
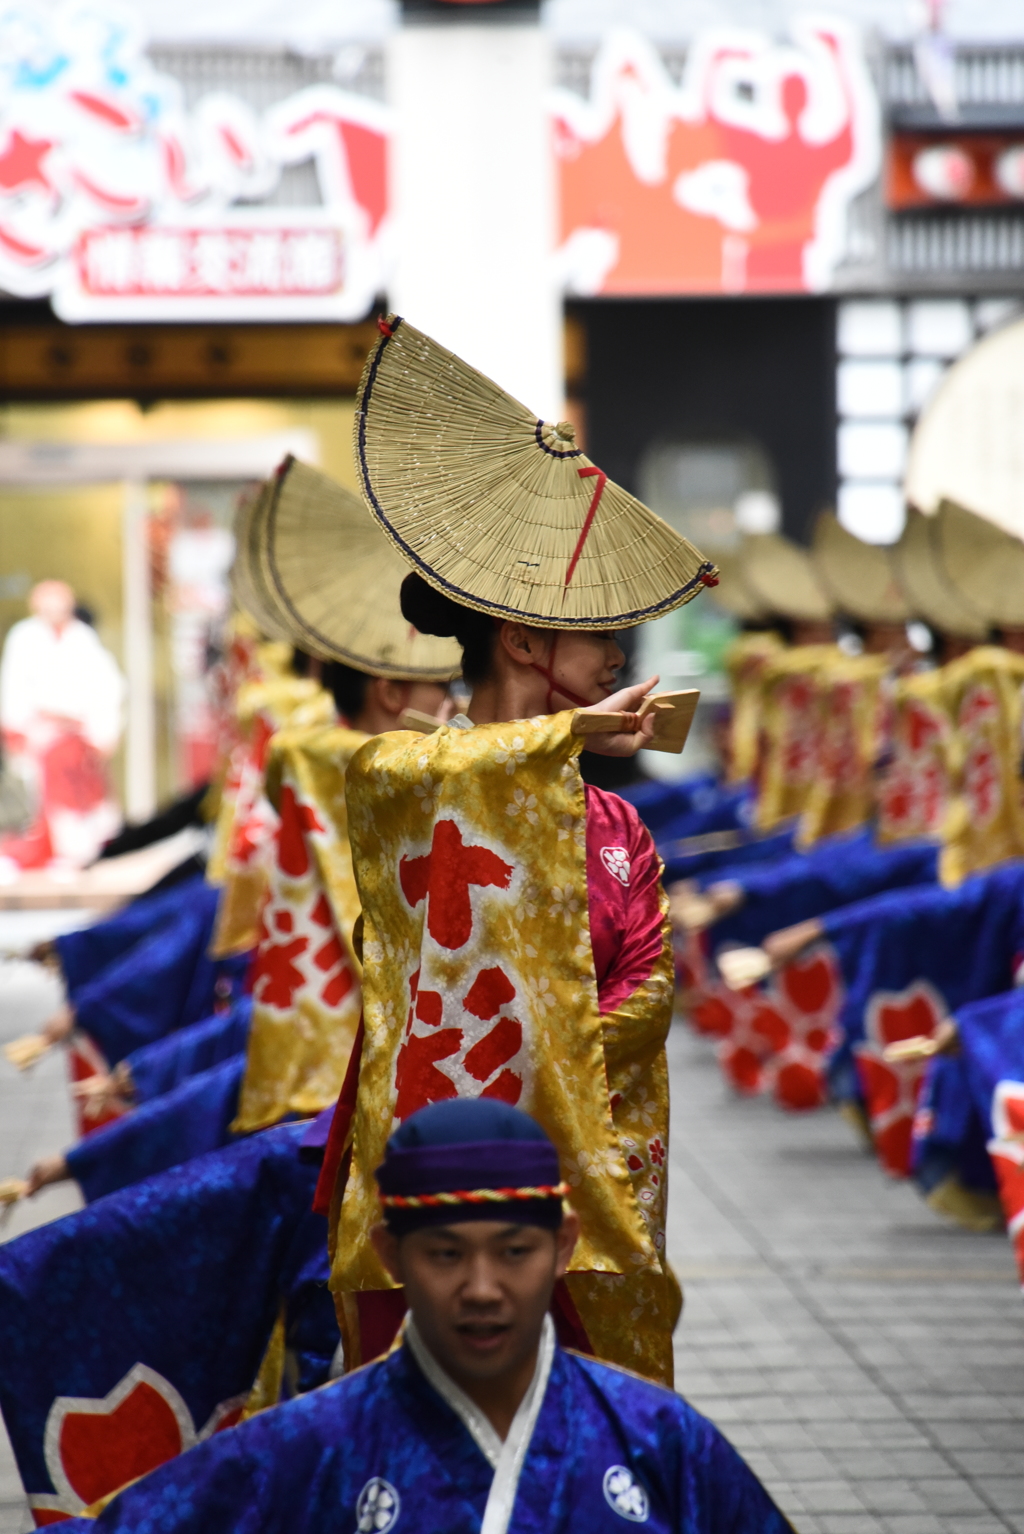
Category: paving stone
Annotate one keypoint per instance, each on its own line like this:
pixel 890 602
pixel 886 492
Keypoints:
pixel 891 1345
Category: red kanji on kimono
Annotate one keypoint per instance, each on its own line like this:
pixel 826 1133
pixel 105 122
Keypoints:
pixel 981 782
pixel 277 977
pixel 444 876
pixel 979 705
pixel 296 820
pixel 417 1078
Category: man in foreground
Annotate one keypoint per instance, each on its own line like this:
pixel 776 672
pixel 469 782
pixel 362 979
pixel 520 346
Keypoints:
pixel 477 1423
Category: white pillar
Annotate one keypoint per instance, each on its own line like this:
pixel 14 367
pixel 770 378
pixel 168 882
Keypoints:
pixel 137 621
pixel 473 189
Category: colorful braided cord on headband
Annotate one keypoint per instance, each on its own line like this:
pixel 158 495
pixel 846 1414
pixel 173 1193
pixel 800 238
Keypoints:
pixel 473 1196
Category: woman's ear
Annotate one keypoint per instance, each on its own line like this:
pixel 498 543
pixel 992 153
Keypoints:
pixel 391 695
pixel 523 645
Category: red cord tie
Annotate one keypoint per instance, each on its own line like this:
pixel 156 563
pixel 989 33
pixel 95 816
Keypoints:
pixel 602 480
pixel 709 580
pixel 383 326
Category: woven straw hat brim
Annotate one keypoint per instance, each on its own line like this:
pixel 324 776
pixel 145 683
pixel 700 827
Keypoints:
pixel 929 593
pixel 781 575
pixel 244 588
pixel 858 576
pixel 503 512
pixel 337 579
pixel 732 593
pixel 984 563
pixel 965 446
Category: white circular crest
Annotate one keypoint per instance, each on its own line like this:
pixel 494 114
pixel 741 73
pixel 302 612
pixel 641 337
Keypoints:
pixel 378 1507
pixel 616 860
pixel 624 1494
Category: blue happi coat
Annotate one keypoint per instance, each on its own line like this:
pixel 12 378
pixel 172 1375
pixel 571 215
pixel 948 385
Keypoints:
pixel 157 1068
pixel 954 1121
pixel 84 952
pixel 190 1120
pixel 954 946
pixel 164 981
pixel 133 1327
pixel 833 873
pixel 658 804
pixel 689 859
pixel 381 1450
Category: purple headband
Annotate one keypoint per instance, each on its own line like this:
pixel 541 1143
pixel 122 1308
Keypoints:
pixel 515 1181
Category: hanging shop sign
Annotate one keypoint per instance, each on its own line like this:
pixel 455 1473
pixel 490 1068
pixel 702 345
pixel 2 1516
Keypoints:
pixel 736 179
pixel 124 204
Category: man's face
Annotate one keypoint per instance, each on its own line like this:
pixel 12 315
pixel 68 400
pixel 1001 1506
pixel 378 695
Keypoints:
pixel 479 1290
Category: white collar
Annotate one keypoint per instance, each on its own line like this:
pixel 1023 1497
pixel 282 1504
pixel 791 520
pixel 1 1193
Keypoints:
pixel 506 1459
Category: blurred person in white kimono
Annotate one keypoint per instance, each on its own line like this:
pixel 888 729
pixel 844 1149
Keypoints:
pixel 61 716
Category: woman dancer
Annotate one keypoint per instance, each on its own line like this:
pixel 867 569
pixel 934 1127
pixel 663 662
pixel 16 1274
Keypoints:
pixel 516 944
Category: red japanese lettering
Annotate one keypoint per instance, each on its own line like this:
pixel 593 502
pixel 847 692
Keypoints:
pixel 417 1078
pixel 444 876
pixel 500 1045
pixel 277 976
pixel 296 819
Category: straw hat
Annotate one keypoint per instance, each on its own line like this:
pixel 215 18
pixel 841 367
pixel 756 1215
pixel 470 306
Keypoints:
pixel 732 593
pixel 965 446
pixel 859 576
pixel 984 564
pixel 929 592
pixel 322 563
pixel 781 575
pixel 503 512
pixel 245 590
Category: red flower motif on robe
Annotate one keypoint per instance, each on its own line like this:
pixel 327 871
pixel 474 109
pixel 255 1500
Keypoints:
pixel 93 1447
pixel 891 1091
pixel 1006 1150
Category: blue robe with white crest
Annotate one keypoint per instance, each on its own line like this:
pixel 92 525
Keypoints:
pixel 383 1450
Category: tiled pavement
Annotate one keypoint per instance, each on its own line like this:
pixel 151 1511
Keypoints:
pixel 867 1359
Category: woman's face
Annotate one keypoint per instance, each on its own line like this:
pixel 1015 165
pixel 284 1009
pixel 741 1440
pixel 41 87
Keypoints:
pixel 587 664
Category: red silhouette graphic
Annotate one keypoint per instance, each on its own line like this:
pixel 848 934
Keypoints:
pixel 735 180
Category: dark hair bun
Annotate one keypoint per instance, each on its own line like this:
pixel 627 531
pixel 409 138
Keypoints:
pixel 430 611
